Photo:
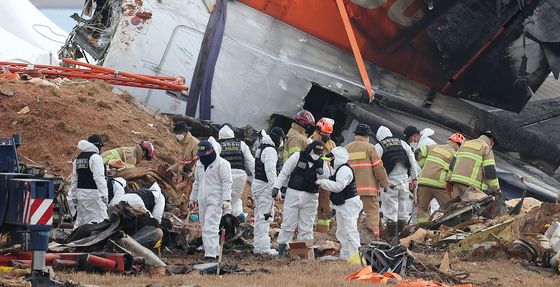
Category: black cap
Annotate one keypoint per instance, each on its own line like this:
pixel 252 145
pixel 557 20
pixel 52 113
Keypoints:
pixel 410 131
pixel 316 146
pixel 204 148
pixel 491 135
pixel 277 134
pixel 96 140
pixel 180 127
pixel 363 130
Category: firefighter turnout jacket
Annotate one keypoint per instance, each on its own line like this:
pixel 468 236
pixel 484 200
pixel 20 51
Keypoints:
pixel 367 165
pixel 434 161
pixel 474 165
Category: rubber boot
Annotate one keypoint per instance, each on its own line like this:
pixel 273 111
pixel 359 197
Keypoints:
pixel 391 230
pixel 400 226
pixel 282 248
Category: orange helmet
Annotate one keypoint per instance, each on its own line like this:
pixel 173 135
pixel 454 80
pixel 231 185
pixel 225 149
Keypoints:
pixel 458 138
pixel 326 125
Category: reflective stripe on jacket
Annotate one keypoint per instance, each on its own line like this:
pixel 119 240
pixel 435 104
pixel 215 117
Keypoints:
pixel 131 156
pixel 434 161
pixel 297 141
pixel 367 165
pixel 474 165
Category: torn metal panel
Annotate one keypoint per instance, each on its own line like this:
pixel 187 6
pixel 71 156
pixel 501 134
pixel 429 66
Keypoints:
pixel 488 234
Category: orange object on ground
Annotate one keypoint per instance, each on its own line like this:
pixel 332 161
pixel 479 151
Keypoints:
pixel 355 47
pixel 366 274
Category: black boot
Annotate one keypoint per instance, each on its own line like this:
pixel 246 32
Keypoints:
pixel 282 248
pixel 400 226
pixel 391 230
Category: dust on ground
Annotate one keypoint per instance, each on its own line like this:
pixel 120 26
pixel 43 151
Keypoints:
pixel 59 117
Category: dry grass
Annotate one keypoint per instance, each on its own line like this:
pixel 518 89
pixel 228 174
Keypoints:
pixel 281 274
pixel 493 273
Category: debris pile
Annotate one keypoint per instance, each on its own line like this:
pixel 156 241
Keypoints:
pixel 52 116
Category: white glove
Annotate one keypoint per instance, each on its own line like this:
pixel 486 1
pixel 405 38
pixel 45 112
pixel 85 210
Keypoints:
pixel 319 182
pixel 226 205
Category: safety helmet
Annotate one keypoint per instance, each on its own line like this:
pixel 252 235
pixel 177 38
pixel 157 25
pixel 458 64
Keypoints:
pixel 326 125
pixel 305 118
pixel 457 138
pixel 148 149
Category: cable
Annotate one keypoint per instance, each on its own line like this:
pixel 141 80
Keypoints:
pixel 41 25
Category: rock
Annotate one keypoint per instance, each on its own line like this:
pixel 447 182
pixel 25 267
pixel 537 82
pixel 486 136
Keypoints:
pixel 24 111
pixel 7 92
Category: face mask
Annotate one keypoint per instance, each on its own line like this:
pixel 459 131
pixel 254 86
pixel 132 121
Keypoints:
pixel 207 159
pixel 325 138
pixel 315 156
pixel 281 144
pixel 180 137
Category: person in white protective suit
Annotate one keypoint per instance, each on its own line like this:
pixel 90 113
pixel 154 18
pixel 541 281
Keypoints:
pixel 153 202
pixel 266 169
pixel 212 194
pixel 302 196
pixel 238 154
pixel 346 202
pixel 116 189
pixel 425 139
pixel 88 196
pixel 401 166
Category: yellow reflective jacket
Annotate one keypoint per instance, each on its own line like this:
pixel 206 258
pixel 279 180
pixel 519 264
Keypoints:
pixel 367 165
pixel 434 161
pixel 189 148
pixel 297 141
pixel 131 155
pixel 474 165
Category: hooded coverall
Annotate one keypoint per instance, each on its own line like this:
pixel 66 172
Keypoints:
pixel 212 186
pixel 300 207
pixel 239 176
pixel 347 213
pixel 262 192
pixel 148 235
pixel 90 204
pixel 395 199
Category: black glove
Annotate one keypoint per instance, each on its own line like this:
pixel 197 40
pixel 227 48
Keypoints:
pixel 275 192
pixel 283 190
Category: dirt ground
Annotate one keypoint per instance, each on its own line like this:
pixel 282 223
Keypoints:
pixel 502 272
pixel 59 117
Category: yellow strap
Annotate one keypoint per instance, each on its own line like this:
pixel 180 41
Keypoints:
pixel 357 155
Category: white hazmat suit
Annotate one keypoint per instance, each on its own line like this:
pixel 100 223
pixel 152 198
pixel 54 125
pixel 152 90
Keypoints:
pixel 262 192
pixel 239 176
pixel 300 207
pixel 118 190
pixel 212 186
pixel 90 204
pixel 347 213
pixel 134 199
pixel 395 199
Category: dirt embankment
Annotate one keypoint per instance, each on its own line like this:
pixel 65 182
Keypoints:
pixel 59 117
